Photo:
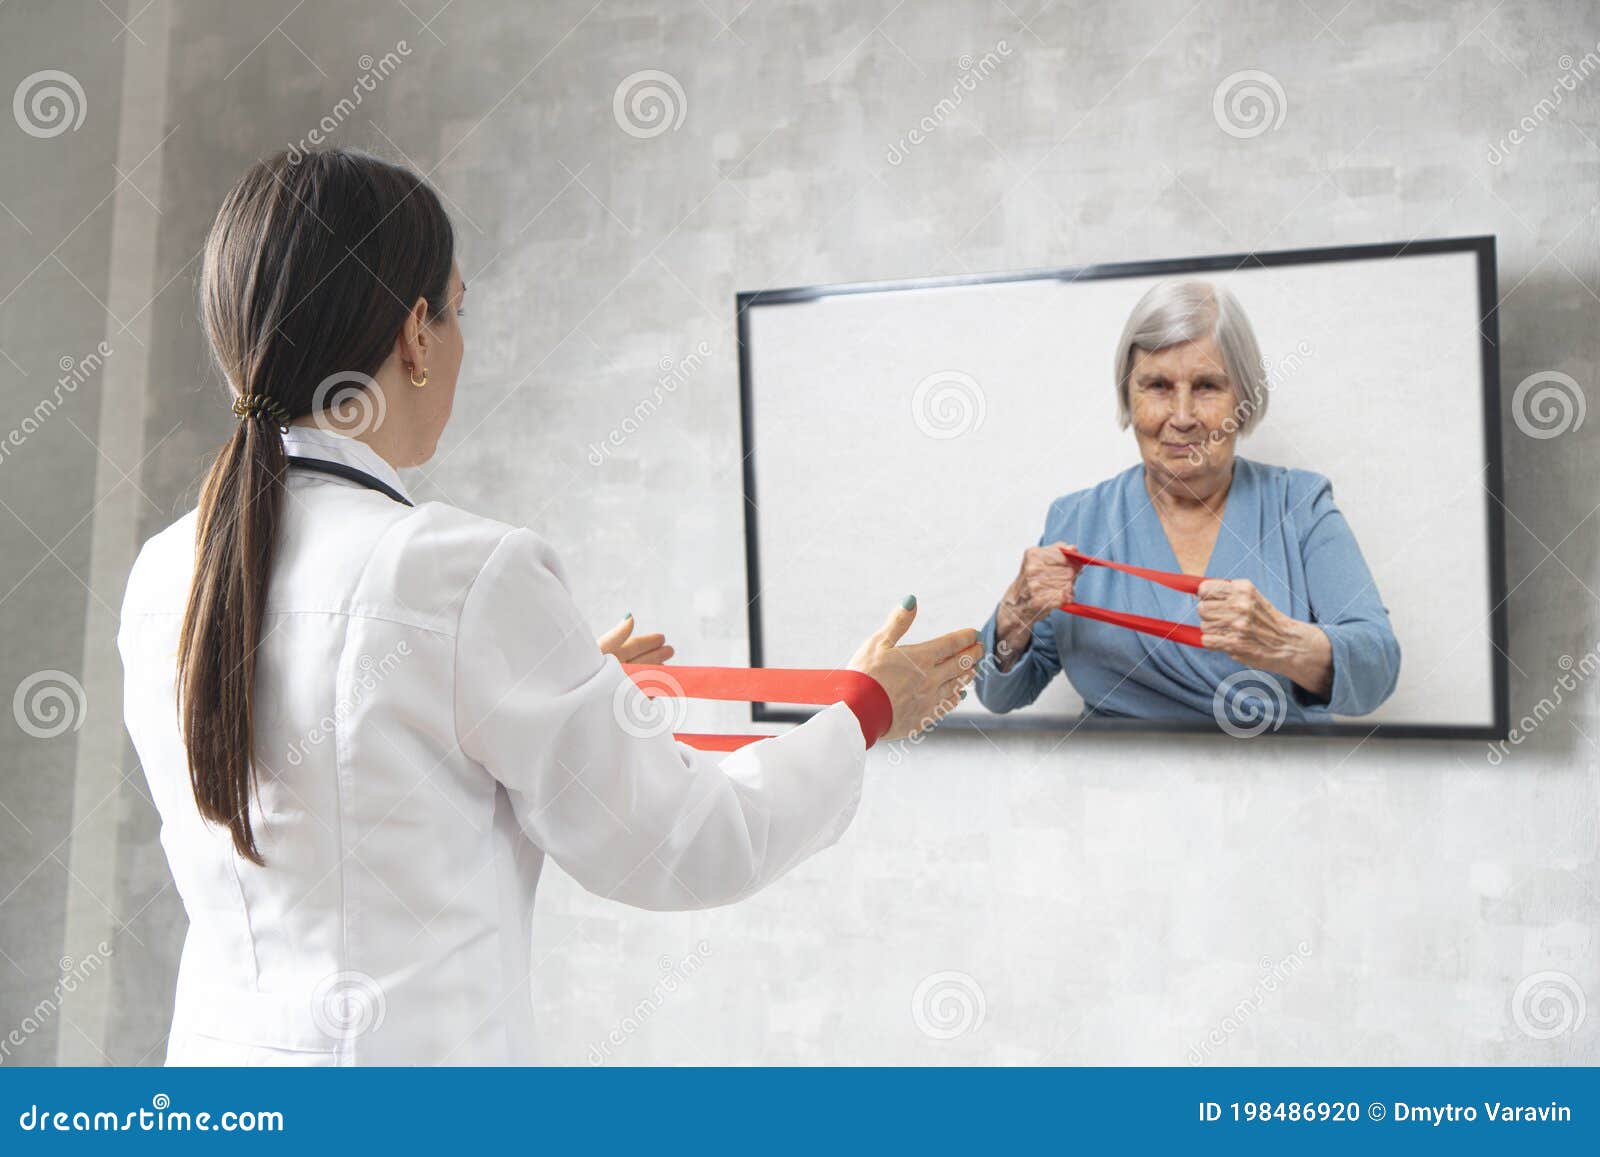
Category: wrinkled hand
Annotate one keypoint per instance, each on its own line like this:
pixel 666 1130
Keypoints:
pixel 629 648
pixel 1044 582
pixel 1242 623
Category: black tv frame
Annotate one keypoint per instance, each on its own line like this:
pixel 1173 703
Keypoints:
pixel 1489 337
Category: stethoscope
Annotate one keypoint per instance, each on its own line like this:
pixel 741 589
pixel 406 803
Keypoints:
pixel 340 470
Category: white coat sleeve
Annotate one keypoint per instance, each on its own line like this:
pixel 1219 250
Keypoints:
pixel 627 811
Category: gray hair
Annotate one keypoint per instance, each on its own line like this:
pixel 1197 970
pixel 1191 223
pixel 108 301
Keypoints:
pixel 1173 312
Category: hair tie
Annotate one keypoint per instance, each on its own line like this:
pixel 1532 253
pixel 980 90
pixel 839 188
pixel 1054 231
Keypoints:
pixel 254 405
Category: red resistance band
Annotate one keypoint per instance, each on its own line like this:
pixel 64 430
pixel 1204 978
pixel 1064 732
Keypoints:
pixel 1189 584
pixel 863 694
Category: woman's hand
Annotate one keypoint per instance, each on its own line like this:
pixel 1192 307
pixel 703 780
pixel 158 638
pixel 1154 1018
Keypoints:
pixel 924 681
pixel 1242 623
pixel 621 642
pixel 1043 583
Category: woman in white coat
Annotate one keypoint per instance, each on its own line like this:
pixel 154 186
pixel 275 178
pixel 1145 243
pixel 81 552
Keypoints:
pixel 366 723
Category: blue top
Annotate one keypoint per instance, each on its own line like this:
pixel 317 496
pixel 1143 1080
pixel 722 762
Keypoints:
pixel 1280 529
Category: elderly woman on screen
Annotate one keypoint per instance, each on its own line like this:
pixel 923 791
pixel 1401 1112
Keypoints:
pixel 1293 598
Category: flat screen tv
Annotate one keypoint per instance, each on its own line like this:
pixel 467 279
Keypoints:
pixel 919 436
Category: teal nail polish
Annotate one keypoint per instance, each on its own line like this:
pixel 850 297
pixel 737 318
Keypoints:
pixel 629 615
pixel 909 602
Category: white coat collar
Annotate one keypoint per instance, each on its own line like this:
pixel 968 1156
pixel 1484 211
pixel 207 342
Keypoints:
pixel 316 442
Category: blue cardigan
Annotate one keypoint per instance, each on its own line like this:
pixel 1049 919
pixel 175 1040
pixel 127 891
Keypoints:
pixel 1280 529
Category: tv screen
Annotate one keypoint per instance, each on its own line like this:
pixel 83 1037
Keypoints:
pixel 1318 428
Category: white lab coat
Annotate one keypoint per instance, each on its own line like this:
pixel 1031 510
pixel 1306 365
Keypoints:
pixel 432 719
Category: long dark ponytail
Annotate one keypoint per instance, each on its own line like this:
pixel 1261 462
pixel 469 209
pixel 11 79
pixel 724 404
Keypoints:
pixel 310 269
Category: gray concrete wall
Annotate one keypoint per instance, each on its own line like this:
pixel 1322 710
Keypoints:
pixel 1106 900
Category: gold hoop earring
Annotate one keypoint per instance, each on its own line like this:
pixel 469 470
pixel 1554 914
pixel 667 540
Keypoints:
pixel 424 380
